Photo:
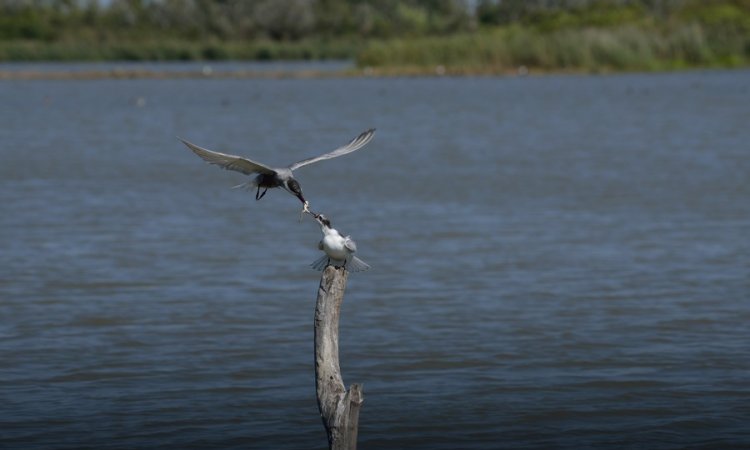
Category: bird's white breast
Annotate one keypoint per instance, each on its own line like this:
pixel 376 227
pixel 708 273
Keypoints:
pixel 333 245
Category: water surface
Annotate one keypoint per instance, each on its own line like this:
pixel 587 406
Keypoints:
pixel 558 262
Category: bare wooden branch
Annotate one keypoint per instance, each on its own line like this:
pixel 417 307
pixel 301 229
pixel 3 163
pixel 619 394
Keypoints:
pixel 338 407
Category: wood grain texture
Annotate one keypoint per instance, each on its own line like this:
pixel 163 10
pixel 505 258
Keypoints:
pixel 338 407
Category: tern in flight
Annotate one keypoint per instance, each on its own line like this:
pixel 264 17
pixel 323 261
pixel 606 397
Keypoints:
pixel 339 250
pixel 273 177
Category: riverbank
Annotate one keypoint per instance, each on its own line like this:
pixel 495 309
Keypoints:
pixel 590 50
pixel 599 38
pixel 173 70
pixel 208 71
pixel 170 49
pixel 503 51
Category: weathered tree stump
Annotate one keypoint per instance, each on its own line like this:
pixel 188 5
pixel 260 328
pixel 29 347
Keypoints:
pixel 338 407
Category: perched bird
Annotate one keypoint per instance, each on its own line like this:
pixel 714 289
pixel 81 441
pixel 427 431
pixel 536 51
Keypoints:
pixel 273 177
pixel 339 249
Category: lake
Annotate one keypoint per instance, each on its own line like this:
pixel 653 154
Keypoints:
pixel 557 262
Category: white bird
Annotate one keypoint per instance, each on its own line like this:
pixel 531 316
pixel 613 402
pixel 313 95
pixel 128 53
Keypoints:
pixel 339 250
pixel 273 177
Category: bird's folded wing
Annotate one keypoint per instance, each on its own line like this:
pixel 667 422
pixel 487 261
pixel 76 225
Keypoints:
pixel 350 244
pixel 356 143
pixel 229 162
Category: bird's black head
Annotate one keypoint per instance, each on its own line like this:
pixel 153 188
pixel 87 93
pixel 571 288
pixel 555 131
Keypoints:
pixel 295 189
pixel 323 220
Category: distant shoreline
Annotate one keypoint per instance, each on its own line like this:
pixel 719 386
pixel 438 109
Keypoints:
pixel 164 75
pixel 489 39
pixel 389 72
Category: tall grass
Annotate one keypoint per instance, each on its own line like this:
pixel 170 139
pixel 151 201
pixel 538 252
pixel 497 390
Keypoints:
pixel 592 36
pixel 174 50
pixel 502 50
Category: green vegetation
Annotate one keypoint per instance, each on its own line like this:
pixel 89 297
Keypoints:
pixel 171 49
pixel 596 37
pixel 388 36
pixel 589 49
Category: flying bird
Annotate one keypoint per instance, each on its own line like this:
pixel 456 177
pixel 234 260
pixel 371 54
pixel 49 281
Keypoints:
pixel 267 177
pixel 339 250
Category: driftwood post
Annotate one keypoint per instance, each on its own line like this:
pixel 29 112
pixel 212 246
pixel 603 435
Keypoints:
pixel 338 407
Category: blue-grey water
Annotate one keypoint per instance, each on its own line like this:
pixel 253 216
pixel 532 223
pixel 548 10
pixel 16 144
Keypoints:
pixel 557 262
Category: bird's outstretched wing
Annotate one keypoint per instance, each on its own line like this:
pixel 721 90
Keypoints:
pixel 356 143
pixel 229 162
pixel 321 263
pixel 354 264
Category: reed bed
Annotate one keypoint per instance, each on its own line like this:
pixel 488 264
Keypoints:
pixel 174 50
pixel 580 50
